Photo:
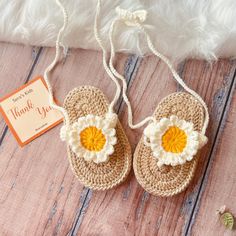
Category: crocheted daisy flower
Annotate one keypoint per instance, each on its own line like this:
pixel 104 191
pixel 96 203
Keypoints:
pixel 92 137
pixel 173 141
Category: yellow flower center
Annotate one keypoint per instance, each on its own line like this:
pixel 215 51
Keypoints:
pixel 174 140
pixel 92 138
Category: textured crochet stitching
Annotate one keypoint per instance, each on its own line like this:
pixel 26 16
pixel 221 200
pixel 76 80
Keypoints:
pixel 90 128
pixel 92 138
pixel 174 140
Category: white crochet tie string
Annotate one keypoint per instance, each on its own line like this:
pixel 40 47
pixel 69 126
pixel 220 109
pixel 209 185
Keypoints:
pixel 105 64
pixel 136 18
pixel 54 62
pixel 131 19
pixel 56 59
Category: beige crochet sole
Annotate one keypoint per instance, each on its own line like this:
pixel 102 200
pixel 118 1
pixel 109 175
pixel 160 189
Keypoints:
pixel 89 100
pixel 168 180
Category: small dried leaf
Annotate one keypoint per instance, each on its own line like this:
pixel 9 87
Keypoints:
pixel 227 220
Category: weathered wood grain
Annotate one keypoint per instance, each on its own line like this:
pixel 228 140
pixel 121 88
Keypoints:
pixel 220 187
pixel 16 62
pixel 39 194
pixel 128 210
pixel 130 67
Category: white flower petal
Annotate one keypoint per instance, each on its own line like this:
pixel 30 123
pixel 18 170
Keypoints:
pixel 89 117
pixel 150 130
pixel 164 121
pixel 194 135
pixel 109 149
pixel 202 140
pixel 109 132
pixel 174 161
pixel 78 151
pixel 112 140
pixel 160 163
pixel 81 119
pixel 189 157
pixel 102 157
pixel 156 154
pixel 181 161
pixel 174 119
pixel 187 126
pixel 63 133
pixel 155 149
pixel 89 156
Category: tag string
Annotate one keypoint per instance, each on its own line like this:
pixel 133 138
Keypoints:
pixel 136 19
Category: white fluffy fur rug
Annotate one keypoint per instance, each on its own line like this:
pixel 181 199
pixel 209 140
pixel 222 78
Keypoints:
pixel 179 28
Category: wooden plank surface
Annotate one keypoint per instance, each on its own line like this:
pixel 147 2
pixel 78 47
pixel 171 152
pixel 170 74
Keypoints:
pixel 220 186
pixel 38 190
pixel 16 62
pixel 39 194
pixel 129 210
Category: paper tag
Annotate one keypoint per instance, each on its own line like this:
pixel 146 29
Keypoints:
pixel 27 111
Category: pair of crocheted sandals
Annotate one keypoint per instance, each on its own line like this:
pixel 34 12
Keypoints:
pixel 99 152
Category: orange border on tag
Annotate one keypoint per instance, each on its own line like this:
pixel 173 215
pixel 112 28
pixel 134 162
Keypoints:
pixel 9 123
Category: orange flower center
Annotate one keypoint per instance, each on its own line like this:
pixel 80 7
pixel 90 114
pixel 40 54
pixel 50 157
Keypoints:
pixel 174 140
pixel 92 139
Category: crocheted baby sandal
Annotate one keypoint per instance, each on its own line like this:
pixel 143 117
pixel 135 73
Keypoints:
pixel 166 157
pixel 98 150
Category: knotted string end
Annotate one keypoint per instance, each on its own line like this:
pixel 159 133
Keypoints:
pixel 131 18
